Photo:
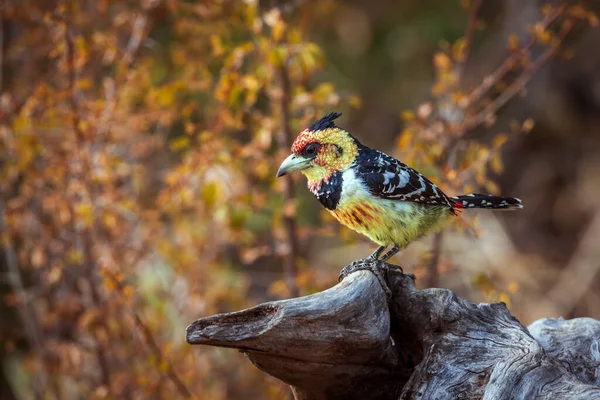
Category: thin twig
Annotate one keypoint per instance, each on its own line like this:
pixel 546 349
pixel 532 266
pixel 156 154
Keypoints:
pixel 86 171
pixel 284 138
pixel 470 29
pixel 477 94
pixel 469 34
pixel 156 351
pixel 26 311
pixel 432 273
pixel 153 344
pixel 71 71
pixel 2 47
pixel 517 85
pixel 138 34
pixel 141 27
pixel 140 30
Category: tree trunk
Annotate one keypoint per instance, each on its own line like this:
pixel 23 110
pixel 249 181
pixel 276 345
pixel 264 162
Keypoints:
pixel 349 342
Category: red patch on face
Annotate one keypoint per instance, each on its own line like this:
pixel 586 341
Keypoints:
pixel 314 187
pixel 320 161
pixel 302 140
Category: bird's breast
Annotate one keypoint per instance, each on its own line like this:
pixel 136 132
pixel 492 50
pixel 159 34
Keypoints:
pixel 360 215
pixel 357 208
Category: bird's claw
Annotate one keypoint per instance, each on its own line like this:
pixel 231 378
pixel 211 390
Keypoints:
pixel 360 261
pixel 377 267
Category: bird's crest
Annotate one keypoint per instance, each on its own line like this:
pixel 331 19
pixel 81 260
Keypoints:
pixel 322 131
pixel 336 151
pixel 325 122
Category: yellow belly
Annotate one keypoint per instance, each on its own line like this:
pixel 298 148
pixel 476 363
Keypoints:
pixel 390 222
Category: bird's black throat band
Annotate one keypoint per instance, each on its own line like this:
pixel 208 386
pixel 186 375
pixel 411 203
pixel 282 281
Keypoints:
pixel 330 191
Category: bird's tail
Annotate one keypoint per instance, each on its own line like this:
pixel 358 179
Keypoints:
pixel 486 201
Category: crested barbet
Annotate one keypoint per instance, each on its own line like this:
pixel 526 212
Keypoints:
pixel 373 193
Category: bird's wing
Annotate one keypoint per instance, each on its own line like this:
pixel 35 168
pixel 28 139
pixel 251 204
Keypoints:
pixel 388 178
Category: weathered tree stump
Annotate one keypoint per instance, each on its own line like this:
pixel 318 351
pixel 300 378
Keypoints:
pixel 348 342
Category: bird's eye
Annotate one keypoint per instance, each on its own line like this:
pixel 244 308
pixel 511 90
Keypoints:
pixel 310 150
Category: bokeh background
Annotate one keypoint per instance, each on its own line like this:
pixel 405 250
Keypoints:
pixel 139 142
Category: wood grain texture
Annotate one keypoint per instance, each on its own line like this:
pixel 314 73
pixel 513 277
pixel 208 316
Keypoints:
pixel 574 343
pixel 348 342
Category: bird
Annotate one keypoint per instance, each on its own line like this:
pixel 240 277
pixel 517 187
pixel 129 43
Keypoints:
pixel 373 193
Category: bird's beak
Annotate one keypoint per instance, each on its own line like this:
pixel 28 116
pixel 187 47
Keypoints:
pixel 293 163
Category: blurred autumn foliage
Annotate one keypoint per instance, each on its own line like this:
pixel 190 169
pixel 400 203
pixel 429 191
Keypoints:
pixel 139 143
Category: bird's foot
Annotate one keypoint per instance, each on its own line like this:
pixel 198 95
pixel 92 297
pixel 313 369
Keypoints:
pixel 377 267
pixel 358 265
pixel 360 261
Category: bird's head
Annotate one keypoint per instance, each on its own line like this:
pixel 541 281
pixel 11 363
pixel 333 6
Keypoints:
pixel 320 150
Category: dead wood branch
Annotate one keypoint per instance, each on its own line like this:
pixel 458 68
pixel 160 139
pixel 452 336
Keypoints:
pixel 347 342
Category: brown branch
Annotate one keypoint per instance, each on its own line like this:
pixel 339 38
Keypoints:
pixel 469 34
pixel 27 313
pixel 519 83
pixel 488 82
pixel 350 342
pixel 432 274
pixel 284 138
pixel 477 94
pixel 140 28
pixel 2 48
pixel 85 240
pixel 138 34
pixel 71 70
pixel 156 351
